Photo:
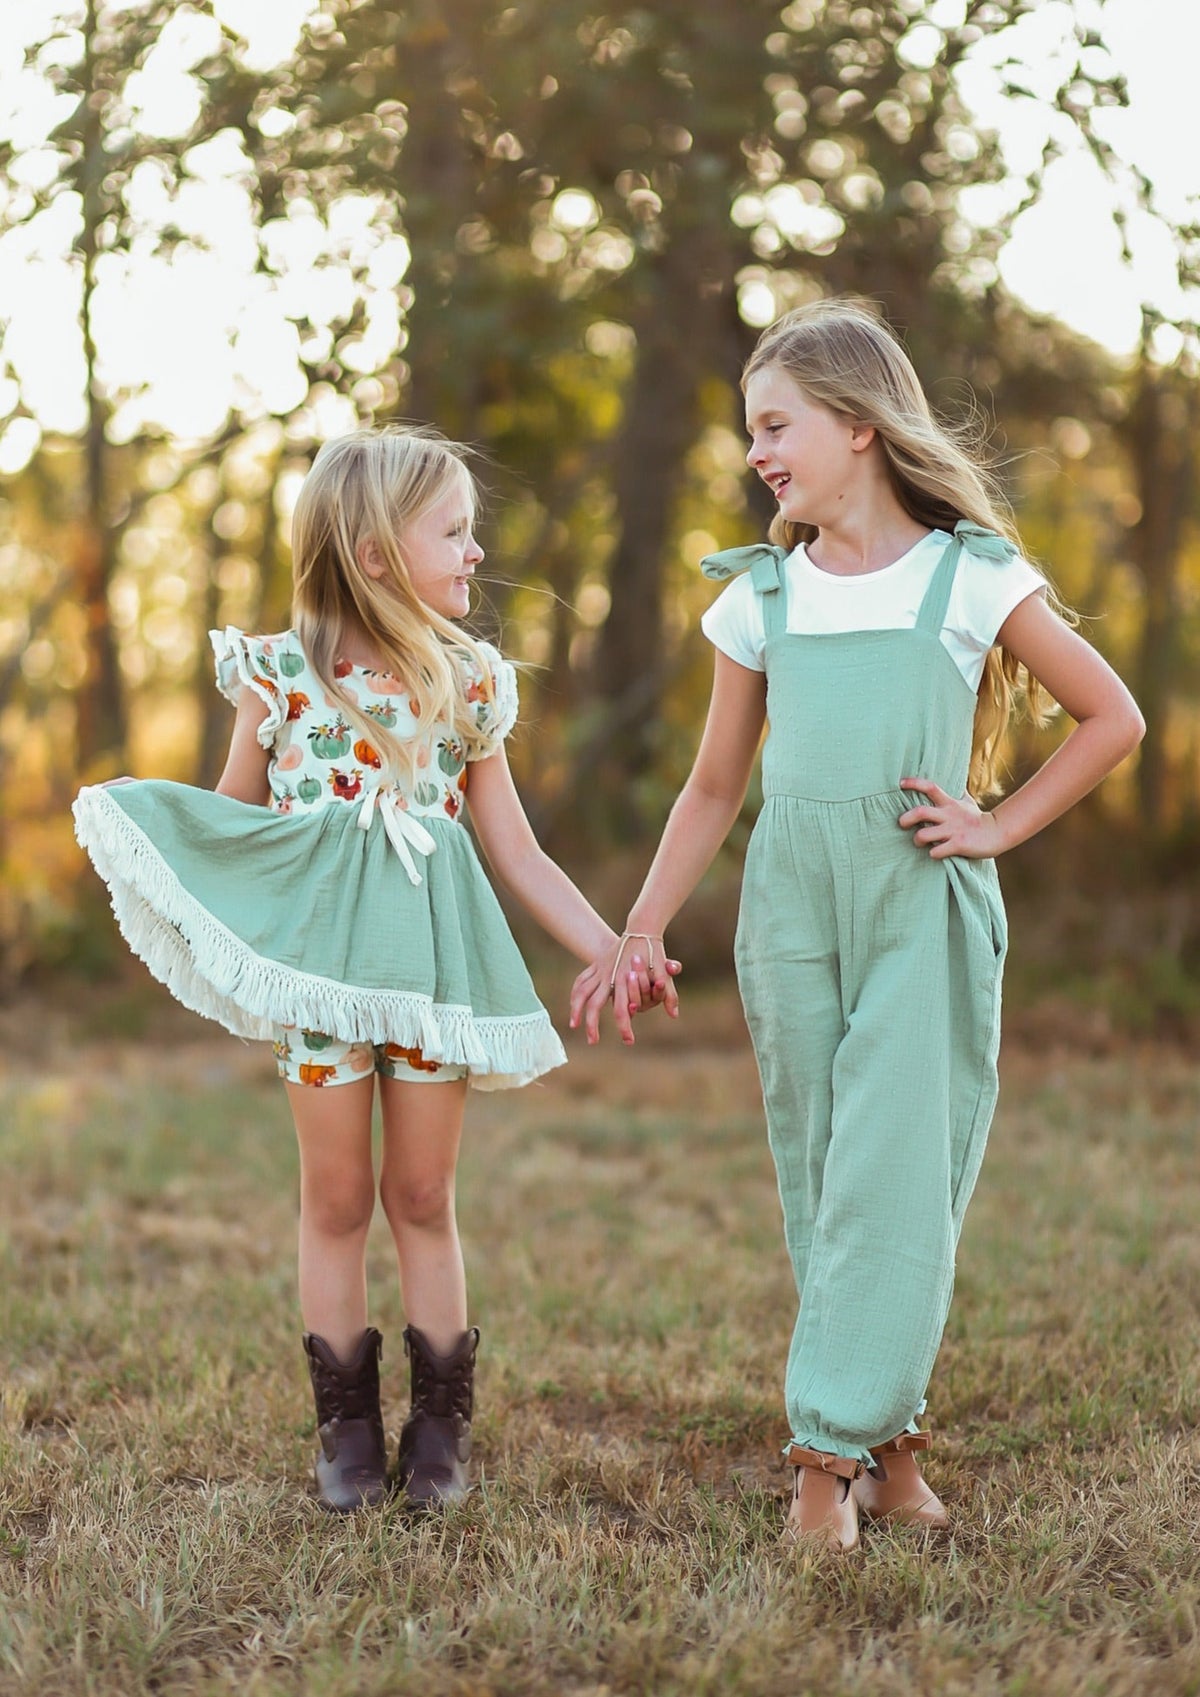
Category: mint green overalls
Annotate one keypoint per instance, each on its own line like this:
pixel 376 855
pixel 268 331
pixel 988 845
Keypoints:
pixel 870 975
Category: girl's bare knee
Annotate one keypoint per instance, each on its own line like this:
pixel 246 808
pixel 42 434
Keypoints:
pixel 419 1202
pixel 338 1211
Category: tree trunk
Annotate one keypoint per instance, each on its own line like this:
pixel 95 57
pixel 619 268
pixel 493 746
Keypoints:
pixel 100 704
pixel 438 176
pixel 101 724
pixel 661 418
pixel 1160 433
pixel 216 721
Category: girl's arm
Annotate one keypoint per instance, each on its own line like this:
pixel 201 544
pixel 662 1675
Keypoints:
pixel 523 866
pixel 245 774
pixel 1108 727
pixel 700 821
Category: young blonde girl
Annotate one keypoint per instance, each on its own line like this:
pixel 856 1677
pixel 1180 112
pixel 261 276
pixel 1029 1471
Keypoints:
pixel 882 634
pixel 328 896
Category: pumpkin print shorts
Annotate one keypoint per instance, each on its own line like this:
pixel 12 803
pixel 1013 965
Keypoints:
pixel 310 1057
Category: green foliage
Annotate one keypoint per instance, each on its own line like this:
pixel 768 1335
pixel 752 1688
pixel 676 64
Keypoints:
pixel 554 231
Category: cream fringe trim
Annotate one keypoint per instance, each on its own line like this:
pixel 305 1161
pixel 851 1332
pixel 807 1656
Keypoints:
pixel 213 972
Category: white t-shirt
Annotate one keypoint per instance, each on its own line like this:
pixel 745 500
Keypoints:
pixel 821 604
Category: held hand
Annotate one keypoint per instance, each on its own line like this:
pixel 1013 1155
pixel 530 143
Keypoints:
pixel 650 979
pixel 633 983
pixel 589 993
pixel 947 826
pixel 592 988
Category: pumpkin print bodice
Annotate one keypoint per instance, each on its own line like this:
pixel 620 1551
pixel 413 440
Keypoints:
pixel 318 760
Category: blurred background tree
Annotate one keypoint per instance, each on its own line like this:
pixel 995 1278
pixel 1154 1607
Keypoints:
pixel 555 232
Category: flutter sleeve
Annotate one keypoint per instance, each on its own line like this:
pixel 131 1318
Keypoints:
pixel 494 717
pixel 255 662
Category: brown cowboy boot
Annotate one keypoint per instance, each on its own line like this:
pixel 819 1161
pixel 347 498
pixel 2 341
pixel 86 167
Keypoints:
pixel 824 1512
pixel 435 1440
pixel 351 1465
pixel 893 1489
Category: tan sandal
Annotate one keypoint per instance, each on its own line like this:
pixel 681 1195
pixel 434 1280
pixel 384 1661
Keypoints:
pixel 824 1512
pixel 893 1489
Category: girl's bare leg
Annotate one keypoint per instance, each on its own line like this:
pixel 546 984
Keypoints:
pixel 422 1128
pixel 337 1199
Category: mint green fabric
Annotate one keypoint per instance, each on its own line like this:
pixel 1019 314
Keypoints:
pixel 870 975
pixel 259 919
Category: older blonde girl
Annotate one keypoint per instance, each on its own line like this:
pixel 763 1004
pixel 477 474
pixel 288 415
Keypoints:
pixel 882 633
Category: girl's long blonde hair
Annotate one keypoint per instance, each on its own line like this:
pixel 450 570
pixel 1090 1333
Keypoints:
pixel 370 486
pixel 841 354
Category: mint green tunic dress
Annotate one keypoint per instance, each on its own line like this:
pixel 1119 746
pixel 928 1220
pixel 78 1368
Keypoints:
pixel 870 975
pixel 353 906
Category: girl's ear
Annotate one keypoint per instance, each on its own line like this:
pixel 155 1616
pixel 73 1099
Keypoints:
pixel 861 436
pixel 370 558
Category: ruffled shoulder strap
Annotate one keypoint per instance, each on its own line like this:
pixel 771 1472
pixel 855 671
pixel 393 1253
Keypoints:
pixel 264 664
pixel 763 560
pixel 977 542
pixel 986 544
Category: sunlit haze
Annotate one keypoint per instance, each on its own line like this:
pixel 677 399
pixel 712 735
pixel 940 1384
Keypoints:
pixel 184 333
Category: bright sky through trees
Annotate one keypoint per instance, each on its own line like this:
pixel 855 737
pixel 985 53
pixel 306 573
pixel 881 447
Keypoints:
pixel 184 333
pixel 1065 254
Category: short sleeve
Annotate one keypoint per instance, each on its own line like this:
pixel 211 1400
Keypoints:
pixel 496 717
pixel 985 593
pixel 253 662
pixel 734 624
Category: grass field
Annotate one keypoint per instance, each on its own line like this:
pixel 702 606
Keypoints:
pixel 628 1275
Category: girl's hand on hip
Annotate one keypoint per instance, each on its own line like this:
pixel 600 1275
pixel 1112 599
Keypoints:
pixel 948 826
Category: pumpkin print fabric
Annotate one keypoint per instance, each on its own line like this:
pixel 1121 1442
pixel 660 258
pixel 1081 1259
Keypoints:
pixel 354 907
pixel 314 1059
pixel 317 758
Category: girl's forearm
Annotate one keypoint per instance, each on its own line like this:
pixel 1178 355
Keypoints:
pixel 699 823
pixel 1088 755
pixel 545 892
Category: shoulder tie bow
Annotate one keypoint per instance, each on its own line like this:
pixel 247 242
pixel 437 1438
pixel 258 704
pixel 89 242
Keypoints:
pixel 763 560
pixel 987 544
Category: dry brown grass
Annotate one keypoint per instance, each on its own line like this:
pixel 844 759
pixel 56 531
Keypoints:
pixel 628 1274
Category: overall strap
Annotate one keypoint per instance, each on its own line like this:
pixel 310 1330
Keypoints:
pixel 772 591
pixel 931 615
pixel 972 539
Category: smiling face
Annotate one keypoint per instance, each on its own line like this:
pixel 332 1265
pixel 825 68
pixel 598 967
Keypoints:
pixel 441 552
pixel 810 457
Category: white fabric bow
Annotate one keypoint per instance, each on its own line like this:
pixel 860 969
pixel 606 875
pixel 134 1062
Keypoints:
pixel 403 831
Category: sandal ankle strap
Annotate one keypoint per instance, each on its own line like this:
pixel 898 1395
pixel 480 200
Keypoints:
pixel 843 1466
pixel 903 1443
